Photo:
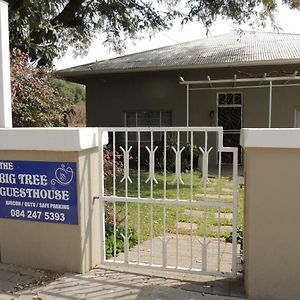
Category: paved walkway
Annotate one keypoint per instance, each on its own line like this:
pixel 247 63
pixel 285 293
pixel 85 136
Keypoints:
pixel 103 283
pixel 184 253
pixel 14 279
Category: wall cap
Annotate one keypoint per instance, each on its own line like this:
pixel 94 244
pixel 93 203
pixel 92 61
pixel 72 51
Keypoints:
pixel 50 139
pixel 270 138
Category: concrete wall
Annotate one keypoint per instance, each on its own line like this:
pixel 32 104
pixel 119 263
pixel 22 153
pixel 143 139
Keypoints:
pixel 271 219
pixel 60 247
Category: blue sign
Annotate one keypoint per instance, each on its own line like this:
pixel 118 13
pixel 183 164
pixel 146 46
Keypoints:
pixel 38 191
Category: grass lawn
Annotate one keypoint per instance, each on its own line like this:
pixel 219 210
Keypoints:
pixel 201 215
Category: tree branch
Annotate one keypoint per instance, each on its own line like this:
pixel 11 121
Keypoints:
pixel 68 15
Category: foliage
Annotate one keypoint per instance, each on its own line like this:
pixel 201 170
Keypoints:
pixel 109 212
pixel 36 101
pixel 78 119
pixel 74 92
pixel 171 158
pixel 108 163
pixel 240 237
pixel 120 230
pixel 44 29
pixel 253 12
pixel 171 142
pixel 109 240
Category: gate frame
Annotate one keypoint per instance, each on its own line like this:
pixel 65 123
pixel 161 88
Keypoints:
pixel 234 203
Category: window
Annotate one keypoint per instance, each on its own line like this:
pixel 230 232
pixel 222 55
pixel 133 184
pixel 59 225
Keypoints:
pixel 147 119
pixel 229 98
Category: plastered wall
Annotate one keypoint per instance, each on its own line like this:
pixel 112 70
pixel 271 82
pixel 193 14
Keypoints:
pixel 271 223
pixel 109 96
pixel 59 247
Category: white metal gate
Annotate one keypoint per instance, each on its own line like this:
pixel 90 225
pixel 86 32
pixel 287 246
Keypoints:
pixel 164 203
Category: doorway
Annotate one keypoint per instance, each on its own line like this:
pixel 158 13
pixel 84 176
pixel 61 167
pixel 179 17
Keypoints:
pixel 229 116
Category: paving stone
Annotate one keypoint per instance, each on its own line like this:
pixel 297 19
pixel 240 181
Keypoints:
pixel 196 213
pixel 223 228
pixel 5 296
pixel 226 190
pixel 221 287
pixel 187 226
pixel 199 288
pixel 227 216
pixel 6 286
pixel 6 275
pixel 21 270
pixel 214 196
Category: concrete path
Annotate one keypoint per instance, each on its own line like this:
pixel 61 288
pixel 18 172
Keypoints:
pixel 14 279
pixel 104 283
pixel 184 253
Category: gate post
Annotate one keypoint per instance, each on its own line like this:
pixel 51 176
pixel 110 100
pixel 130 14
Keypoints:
pixel 49 215
pixel 101 194
pixel 271 214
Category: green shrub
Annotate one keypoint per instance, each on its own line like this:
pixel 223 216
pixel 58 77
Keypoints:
pixel 239 237
pixel 120 229
pixel 109 240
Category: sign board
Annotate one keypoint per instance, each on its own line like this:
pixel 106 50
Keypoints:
pixel 38 191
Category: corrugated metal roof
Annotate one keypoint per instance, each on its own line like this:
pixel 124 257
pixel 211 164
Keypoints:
pixel 249 48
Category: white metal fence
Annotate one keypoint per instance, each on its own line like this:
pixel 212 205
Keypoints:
pixel 165 197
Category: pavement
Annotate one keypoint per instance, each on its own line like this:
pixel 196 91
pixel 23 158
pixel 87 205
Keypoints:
pixel 152 251
pixel 17 283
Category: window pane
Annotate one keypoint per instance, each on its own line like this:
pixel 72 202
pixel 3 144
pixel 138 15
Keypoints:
pixel 238 98
pixel 148 119
pixel 142 119
pixel 156 136
pixel 166 119
pixel 132 136
pixel 145 137
pixel 229 98
pixel 221 98
pixel 131 119
pixel 229 118
pixel 154 119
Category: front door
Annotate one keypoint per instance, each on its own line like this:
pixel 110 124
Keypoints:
pixel 230 118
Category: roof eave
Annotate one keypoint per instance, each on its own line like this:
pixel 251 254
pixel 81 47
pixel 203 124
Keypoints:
pixel 75 74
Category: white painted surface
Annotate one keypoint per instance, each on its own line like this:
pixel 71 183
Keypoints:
pixel 5 92
pixel 50 139
pixel 270 138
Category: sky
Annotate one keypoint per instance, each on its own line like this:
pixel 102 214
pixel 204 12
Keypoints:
pixel 288 20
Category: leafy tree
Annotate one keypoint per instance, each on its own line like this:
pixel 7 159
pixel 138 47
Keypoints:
pixel 36 101
pixel 45 28
pixel 74 92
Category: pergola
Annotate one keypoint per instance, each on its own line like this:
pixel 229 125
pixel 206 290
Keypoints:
pixel 263 82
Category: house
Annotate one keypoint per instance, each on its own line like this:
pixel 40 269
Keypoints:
pixel 232 80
